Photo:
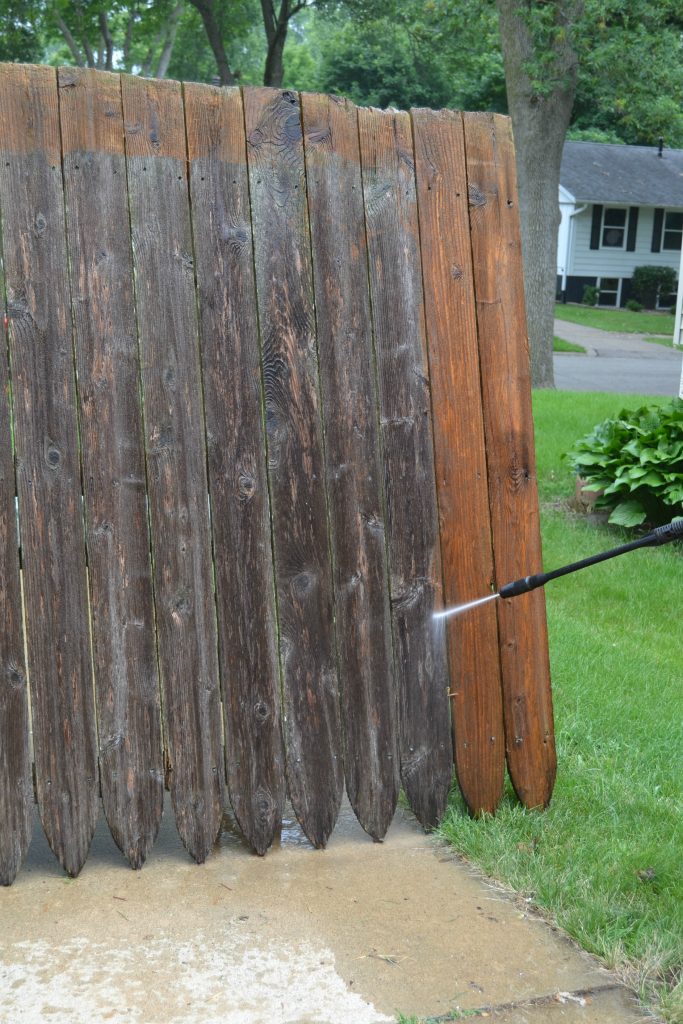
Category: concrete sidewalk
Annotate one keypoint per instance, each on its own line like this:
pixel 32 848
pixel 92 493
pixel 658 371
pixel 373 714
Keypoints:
pixel 352 935
pixel 625 363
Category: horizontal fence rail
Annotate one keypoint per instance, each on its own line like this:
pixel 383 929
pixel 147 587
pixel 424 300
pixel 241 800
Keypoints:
pixel 264 408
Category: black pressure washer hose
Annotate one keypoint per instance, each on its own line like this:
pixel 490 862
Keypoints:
pixel 661 535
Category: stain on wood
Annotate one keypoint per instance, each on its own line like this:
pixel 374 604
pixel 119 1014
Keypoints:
pixel 295 455
pixel 353 464
pixel 113 456
pixel 408 457
pixel 237 460
pixel 461 476
pixel 176 455
pixel 506 392
pixel 16 788
pixel 47 460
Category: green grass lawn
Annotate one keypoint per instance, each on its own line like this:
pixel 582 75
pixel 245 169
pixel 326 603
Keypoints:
pixel 623 321
pixel 605 860
pixel 560 345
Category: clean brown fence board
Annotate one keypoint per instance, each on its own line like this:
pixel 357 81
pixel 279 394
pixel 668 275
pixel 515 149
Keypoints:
pixel 176 454
pixel 354 474
pixel 48 470
pixel 112 445
pixel 405 418
pixel 295 455
pixel 465 524
pixel 237 461
pixel 16 789
pixel 506 384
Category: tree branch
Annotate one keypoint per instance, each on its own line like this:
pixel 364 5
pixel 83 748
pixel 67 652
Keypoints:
pixel 213 34
pixel 70 41
pixel 108 42
pixel 170 30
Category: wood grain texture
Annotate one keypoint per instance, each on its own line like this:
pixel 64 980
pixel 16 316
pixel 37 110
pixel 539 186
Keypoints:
pixel 353 462
pixel 113 456
pixel 405 419
pixel 48 469
pixel 176 455
pixel 461 472
pixel 237 460
pixel 295 455
pixel 16 787
pixel 506 391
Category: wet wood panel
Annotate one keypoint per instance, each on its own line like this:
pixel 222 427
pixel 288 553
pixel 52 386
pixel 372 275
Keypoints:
pixel 506 390
pixel 237 460
pixel 408 457
pixel 113 455
pixel 461 474
pixel 303 573
pixel 354 471
pixel 176 455
pixel 16 789
pixel 47 459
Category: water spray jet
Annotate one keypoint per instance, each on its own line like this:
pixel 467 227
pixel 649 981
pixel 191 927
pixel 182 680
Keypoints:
pixel 661 535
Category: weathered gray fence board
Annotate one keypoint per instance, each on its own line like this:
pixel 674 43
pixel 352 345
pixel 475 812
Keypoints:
pixel 354 473
pixel 506 392
pixel 461 477
pixel 176 455
pixel 295 455
pixel 237 460
pixel 112 447
pixel 16 789
pixel 48 469
pixel 404 397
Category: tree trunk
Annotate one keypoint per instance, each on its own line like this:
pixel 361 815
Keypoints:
pixel 274 69
pixel 70 41
pixel 170 30
pixel 107 42
pixel 540 118
pixel 213 34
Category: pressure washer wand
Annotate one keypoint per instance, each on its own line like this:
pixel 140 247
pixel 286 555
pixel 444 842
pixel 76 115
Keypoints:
pixel 660 535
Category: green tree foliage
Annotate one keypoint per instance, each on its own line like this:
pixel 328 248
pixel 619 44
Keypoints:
pixel 19 40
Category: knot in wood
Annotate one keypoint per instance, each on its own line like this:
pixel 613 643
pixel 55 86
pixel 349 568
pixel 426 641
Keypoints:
pixel 261 711
pixel 476 196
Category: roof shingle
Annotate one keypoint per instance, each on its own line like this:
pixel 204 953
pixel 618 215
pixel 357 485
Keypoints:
pixel 599 172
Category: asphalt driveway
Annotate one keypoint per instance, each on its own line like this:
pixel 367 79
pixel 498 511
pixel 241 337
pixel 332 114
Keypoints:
pixel 624 363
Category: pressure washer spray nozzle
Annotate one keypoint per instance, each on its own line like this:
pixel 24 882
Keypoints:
pixel 660 535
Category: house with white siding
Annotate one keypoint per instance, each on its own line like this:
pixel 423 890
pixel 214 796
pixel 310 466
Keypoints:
pixel 621 207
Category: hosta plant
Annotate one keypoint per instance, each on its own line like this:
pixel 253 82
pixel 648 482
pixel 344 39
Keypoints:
pixel 635 464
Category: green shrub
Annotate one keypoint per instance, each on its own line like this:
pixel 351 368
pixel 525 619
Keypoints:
pixel 636 462
pixel 590 295
pixel 635 307
pixel 648 283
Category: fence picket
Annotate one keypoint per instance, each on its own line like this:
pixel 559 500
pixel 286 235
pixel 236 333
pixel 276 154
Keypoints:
pixel 112 450
pixel 499 288
pixel 405 418
pixel 237 460
pixel 465 523
pixel 354 473
pixel 176 455
pixel 295 456
pixel 48 469
pixel 16 789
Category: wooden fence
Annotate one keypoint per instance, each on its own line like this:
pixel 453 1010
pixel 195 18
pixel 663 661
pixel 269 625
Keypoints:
pixel 265 407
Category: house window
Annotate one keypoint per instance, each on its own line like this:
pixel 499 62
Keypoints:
pixel 608 291
pixel 673 230
pixel 613 233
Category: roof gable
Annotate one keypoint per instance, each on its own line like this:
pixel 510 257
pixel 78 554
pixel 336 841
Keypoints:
pixel 599 172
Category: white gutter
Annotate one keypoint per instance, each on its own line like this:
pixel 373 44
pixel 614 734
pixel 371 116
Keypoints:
pixel 570 239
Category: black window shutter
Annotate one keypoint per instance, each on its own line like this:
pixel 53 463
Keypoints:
pixel 657 231
pixel 632 229
pixel 595 226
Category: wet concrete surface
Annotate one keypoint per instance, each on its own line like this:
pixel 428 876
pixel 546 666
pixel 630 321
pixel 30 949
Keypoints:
pixel 622 363
pixel 354 934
